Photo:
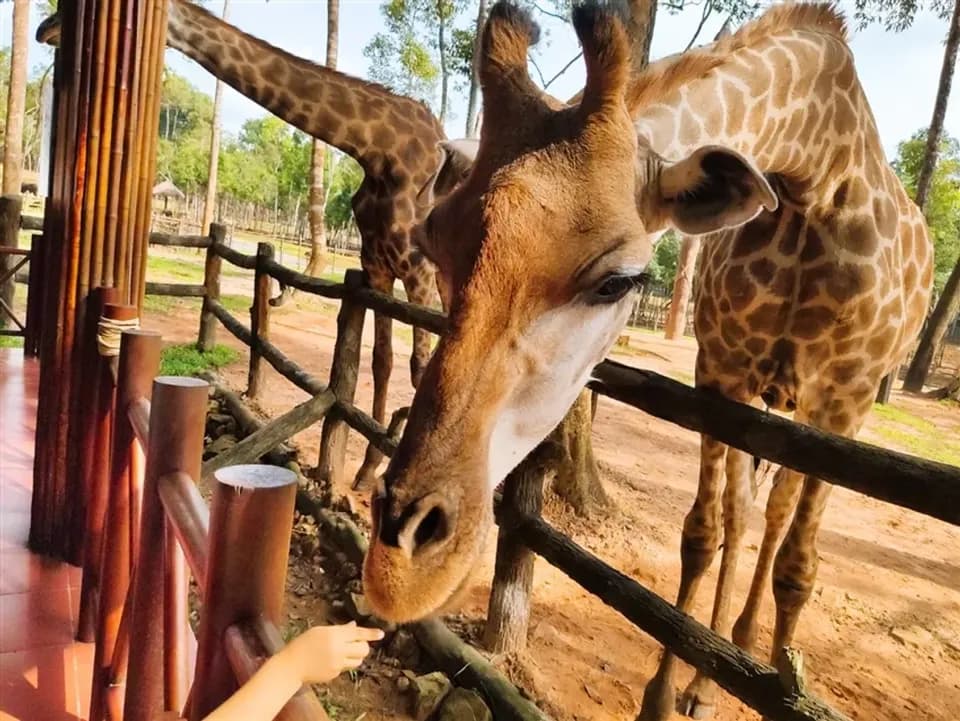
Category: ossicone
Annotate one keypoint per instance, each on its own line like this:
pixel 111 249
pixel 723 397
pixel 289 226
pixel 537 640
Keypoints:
pixel 606 52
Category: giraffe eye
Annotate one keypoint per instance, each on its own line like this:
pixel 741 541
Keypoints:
pixel 613 288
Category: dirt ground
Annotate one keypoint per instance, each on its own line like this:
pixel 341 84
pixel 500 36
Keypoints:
pixel 881 633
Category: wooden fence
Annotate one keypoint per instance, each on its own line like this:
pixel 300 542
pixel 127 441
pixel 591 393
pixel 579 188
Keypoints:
pixel 148 528
pixel 924 486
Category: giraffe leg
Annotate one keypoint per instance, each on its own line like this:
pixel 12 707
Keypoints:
pixel 795 566
pixel 780 504
pixel 699 699
pixel 698 546
pixel 382 367
pixel 421 294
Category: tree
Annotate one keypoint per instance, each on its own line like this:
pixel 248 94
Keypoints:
pixel 466 42
pixel 16 98
pixel 214 162
pixel 345 179
pixel 942 209
pixel 317 212
pixel 946 307
pixel 418 51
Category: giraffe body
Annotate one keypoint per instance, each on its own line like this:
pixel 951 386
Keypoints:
pixel 813 283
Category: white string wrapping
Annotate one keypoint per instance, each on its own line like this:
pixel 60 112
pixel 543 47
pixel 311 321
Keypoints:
pixel 109 332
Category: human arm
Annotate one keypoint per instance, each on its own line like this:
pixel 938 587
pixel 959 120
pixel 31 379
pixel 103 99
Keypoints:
pixel 318 655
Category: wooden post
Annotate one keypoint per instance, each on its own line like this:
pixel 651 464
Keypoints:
pixel 250 522
pixel 31 341
pixel 139 363
pixel 259 318
pixel 177 418
pixel 9 235
pixel 508 614
pixel 95 457
pixel 207 337
pixel 343 382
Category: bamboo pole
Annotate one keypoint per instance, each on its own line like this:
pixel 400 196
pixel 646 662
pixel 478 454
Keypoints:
pixel 139 362
pixel 96 469
pixel 177 416
pixel 250 522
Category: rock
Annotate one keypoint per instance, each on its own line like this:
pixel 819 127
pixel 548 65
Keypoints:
pixel 404 647
pixel 403 684
pixel 913 636
pixel 428 693
pixel 221 444
pixel 463 705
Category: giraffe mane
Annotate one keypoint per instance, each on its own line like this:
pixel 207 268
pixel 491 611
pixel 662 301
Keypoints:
pixel 676 70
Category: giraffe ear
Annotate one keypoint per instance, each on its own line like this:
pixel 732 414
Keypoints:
pixel 456 160
pixel 711 189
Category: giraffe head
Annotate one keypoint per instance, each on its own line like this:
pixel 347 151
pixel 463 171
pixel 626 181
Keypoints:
pixel 542 244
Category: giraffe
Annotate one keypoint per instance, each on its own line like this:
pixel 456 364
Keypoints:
pixel 814 282
pixel 396 140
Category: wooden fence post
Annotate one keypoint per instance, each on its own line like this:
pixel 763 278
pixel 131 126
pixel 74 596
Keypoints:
pixel 508 614
pixel 343 382
pixel 35 280
pixel 139 363
pixel 9 238
pixel 207 337
pixel 259 318
pixel 157 666
pixel 251 518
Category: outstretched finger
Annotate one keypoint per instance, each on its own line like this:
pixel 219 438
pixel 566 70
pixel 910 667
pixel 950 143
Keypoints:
pixel 368 634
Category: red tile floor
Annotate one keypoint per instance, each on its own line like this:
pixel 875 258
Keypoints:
pixel 44 674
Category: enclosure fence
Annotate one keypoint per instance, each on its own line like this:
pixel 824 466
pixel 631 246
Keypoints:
pixel 148 528
pixel 924 486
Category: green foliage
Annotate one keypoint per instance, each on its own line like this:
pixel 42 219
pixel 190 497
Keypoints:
pixel 420 40
pixel 898 15
pixel 943 201
pixel 662 268
pixel 11 341
pixel 187 360
pixel 344 182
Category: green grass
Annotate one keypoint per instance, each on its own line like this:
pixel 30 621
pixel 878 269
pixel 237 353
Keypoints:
pixel 916 435
pixel 186 360
pixel 236 303
pixel 174 269
pixel 11 341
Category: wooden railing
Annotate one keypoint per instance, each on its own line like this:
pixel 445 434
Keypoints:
pixel 924 486
pixel 148 529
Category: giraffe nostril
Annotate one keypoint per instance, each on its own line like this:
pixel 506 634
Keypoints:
pixel 429 524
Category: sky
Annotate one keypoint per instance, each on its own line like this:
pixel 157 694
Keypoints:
pixel 899 71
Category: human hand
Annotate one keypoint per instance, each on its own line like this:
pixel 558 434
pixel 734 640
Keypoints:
pixel 322 653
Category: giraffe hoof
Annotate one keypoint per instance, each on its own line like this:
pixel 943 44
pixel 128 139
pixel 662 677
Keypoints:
pixel 659 701
pixel 699 701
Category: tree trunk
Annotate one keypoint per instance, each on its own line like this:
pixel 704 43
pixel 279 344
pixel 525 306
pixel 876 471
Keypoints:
pixel 16 99
pixel 442 48
pixel 473 97
pixel 318 194
pixel 209 204
pixel 682 288
pixel 577 479
pixel 643 17
pixel 935 133
pixel 943 313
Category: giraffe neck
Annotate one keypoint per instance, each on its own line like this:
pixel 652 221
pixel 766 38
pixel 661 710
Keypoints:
pixel 790 102
pixel 343 111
